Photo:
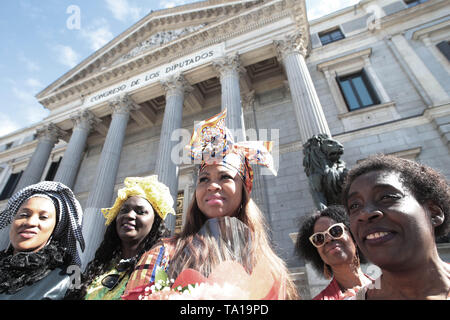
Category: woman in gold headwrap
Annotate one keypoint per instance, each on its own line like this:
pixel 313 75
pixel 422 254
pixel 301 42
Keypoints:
pixel 135 224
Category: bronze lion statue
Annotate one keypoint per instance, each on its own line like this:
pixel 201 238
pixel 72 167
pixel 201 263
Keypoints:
pixel 324 169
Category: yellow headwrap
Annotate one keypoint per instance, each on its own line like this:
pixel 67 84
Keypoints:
pixel 157 193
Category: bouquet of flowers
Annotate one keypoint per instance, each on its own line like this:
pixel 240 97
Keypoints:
pixel 215 265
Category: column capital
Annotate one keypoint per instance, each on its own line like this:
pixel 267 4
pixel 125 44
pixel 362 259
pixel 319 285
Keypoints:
pixel 293 43
pixel 228 64
pixel 50 132
pixel 248 99
pixel 84 119
pixel 176 85
pixel 123 104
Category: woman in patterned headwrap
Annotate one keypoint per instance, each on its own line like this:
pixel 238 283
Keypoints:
pixel 224 185
pixel 135 223
pixel 46 222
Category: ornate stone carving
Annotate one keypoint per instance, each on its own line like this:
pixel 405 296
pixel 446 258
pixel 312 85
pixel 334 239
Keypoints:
pixel 228 64
pixel 324 169
pixel 248 100
pixel 175 85
pixel 293 43
pixel 157 40
pixel 123 104
pixel 50 132
pixel 84 119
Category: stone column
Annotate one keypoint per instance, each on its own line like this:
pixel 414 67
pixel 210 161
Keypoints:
pixel 48 136
pixel 101 195
pixel 308 110
pixel 229 69
pixel 166 168
pixel 259 191
pixel 67 171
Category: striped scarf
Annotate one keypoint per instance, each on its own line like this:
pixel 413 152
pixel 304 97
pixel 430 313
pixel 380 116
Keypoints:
pixel 68 228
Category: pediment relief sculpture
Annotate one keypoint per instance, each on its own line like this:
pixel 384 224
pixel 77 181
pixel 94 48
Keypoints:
pixel 157 40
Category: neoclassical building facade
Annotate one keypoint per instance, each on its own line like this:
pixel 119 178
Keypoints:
pixel 374 76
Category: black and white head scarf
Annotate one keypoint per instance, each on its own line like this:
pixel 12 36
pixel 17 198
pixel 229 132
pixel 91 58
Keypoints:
pixel 68 210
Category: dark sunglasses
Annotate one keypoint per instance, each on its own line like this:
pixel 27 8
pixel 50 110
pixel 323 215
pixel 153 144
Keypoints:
pixel 336 231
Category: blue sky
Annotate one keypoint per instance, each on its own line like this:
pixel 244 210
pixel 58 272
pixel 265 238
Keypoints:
pixel 38 47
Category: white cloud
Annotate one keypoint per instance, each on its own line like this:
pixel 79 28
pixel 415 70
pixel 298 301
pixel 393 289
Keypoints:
pixel 23 95
pixel 317 9
pixel 29 64
pixel 67 56
pixel 122 10
pixel 172 3
pixel 8 125
pixel 26 107
pixel 34 84
pixel 98 34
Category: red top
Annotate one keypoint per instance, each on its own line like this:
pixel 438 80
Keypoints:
pixel 333 291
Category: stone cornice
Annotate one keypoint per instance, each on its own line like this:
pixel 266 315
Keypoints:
pixel 249 19
pixel 417 35
pixel 408 14
pixel 19 151
pixel 330 64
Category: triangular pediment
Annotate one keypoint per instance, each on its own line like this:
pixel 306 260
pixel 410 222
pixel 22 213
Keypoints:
pixel 156 29
pixel 157 40
pixel 162 36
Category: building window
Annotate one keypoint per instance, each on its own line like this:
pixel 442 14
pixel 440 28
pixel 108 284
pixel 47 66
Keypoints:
pixel 179 213
pixel 331 36
pixel 52 170
pixel 357 91
pixel 10 185
pixel 444 48
pixel 412 3
pixel 9 145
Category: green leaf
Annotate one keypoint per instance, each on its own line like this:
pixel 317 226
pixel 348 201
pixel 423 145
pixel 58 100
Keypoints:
pixel 161 277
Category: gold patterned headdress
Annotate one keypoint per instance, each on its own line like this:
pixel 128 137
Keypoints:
pixel 212 143
pixel 149 188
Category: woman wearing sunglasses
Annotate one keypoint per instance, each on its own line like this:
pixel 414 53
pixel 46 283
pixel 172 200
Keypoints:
pixel 135 224
pixel 324 240
pixel 397 208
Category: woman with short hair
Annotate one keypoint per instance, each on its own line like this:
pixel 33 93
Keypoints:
pixel 397 208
